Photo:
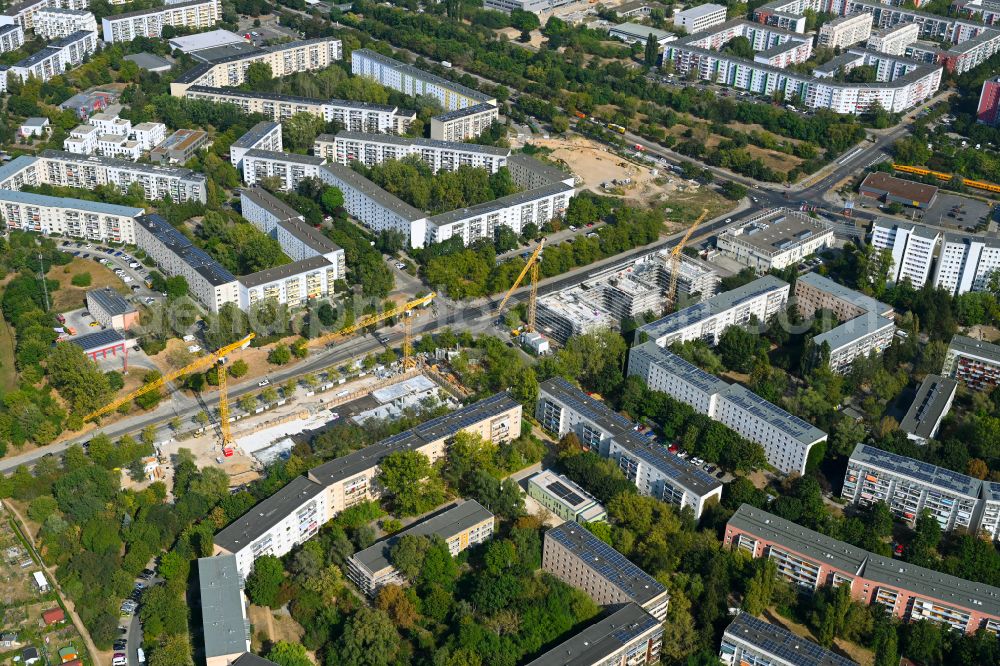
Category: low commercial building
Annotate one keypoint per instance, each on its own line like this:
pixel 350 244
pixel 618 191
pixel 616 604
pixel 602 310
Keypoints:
pixel 109 308
pixel 78 218
pixel 11 38
pixel 224 622
pixel 775 239
pixel 845 31
pixel 909 592
pixel 295 513
pixel 894 39
pixel 371 149
pixel 929 407
pixel 102 343
pixel 55 22
pixel 564 498
pixel 207 280
pixel 578 558
pixel 700 18
pixel 912 247
pixel 750 640
pixel 53 60
pixel 967 262
pixel 867 325
pixel 629 635
pixel 193 15
pixel 760 299
pixel 265 135
pixel 200 41
pixel 889 189
pixel 289 168
pixel 636 33
pixel 179 147
pixel 637 8
pixel 975 363
pixel 464 124
pixel 563 408
pixel 461 526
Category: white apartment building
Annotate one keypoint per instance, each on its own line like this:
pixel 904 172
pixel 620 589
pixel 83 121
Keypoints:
pixel 702 17
pixel 775 238
pixel 118 147
pixel 149 135
pixel 82 140
pixel 265 135
pixel 194 15
pixel 158 182
pixel 563 408
pixel 912 247
pixel 785 438
pixel 22 170
pixel 284 59
pixel 845 31
pixel 371 149
pixel 629 635
pixel 23 13
pixel 207 280
pixel 374 207
pixel 989 523
pixel 11 38
pixel 464 124
pixel 762 298
pixel 56 22
pixel 895 38
pixel 412 81
pixel 867 325
pixel 289 168
pixel 53 60
pixel 79 218
pixel 111 123
pixel 966 263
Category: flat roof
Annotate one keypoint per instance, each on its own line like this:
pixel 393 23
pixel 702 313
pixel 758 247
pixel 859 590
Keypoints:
pixel 600 640
pixel 214 54
pixel 250 659
pixel 198 71
pixel 482 107
pixel 280 156
pixel 99 207
pixel 699 11
pixel 918 230
pixel 917 470
pixel 278 97
pixel 779 231
pixel 397 140
pixel 820 548
pixel 446 524
pixel 255 134
pixel 267 513
pixel 99 340
pixel 853 330
pixel 900 187
pixel 536 167
pixel 563 490
pixel 515 199
pixel 175 172
pixel 639 30
pixel 211 270
pixel 358 182
pixel 781 643
pixel 182 139
pixel 110 301
pixel 15 166
pixel 606 562
pixel 417 73
pixel 284 271
pixel 158 10
pixel 290 220
pixel 929 405
pixel 224 623
pixel 204 40
pixel 967 346
pixel 675 365
pixel 788 423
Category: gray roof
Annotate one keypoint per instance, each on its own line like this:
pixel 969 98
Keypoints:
pixel 675 365
pixel 110 301
pixel 713 306
pixel 284 271
pixel 255 134
pixel 421 74
pixel 699 11
pixel 498 204
pixel 407 141
pixel 482 107
pixel 538 168
pixel 149 61
pixel 842 293
pixel 279 156
pixel 16 165
pixel 358 182
pixel 822 549
pixel 917 470
pixel 173 172
pixel 290 220
pixel 978 348
pixel 991 491
pixel 918 230
pixel 601 640
pixel 222 52
pixel 278 97
pixel 266 514
pixel 637 30
pixel 782 644
pixel 223 618
pixel 446 524
pixel 32 199
pixel 99 340
pixel 158 10
pixel 606 562
pixel 34 122
pixel 929 406
pixel 211 270
pixel 791 425
pixel 853 330
pixel 250 659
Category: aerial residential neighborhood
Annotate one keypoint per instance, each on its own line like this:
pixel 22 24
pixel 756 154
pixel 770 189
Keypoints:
pixel 500 333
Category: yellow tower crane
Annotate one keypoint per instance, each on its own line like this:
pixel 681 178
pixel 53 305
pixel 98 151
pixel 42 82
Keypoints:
pixel 372 319
pixel 675 259
pixel 530 266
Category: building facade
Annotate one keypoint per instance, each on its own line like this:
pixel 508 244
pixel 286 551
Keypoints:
pixel 157 182
pixel 109 308
pixel 967 262
pixel 55 22
pixel 894 39
pixel 629 635
pixel 194 15
pixel 11 38
pixel 929 407
pixel 845 31
pixel 464 124
pixel 289 168
pixel 912 247
pixel 975 363
pixel 988 109
pixel 78 218
pixel 53 60
pixel 700 18
pixel 775 238
pixel 564 498
pixel 265 135
pixel 371 149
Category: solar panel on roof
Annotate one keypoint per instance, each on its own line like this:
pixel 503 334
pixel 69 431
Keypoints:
pixel 562 492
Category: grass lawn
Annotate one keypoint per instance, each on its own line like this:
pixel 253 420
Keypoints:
pixel 685 207
pixel 68 297
pixel 8 372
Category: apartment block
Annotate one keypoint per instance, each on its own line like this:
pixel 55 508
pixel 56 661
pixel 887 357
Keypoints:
pixel 224 621
pixel 912 247
pixel 53 60
pixel 82 140
pixel 295 513
pixel 578 558
pixel 775 238
pixel 412 81
pixel 22 170
pixel 179 147
pixel 55 22
pixel 989 523
pixel 845 31
pixel 867 328
pixel 700 18
pixel 911 593
pixel 371 149
pixel 967 262
pixel 118 147
pixel 760 299
pixel 289 168
pixel 894 39
pixel 464 124
pixel 284 59
pixel 149 135
pixel 975 363
pixel 461 526
pixel 79 218
pixel 629 635
pixel 929 407
pixel 750 640
pixel 563 408
pixel 564 498
pixel 375 208
pixel 11 38
pixel 988 109
pixel 194 15
pixel 265 135
pixel 23 13
pixel 785 438
pixel 158 182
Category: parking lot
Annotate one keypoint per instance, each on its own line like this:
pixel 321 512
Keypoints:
pixel 954 210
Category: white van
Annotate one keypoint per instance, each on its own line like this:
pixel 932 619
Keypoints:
pixel 140 656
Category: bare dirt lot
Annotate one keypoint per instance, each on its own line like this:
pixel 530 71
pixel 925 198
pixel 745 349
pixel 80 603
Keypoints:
pixel 68 297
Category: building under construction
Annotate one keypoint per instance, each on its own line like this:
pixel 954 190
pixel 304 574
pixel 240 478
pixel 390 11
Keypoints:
pixel 605 299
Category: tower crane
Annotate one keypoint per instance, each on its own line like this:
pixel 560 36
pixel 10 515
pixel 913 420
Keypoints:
pixel 529 266
pixel 372 319
pixel 675 258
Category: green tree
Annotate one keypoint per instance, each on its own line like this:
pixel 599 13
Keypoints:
pixel 289 654
pixel 259 76
pixel 369 639
pixel 652 54
pixel 411 481
pixel 238 368
pixel 760 589
pixel 264 582
pixel 280 355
